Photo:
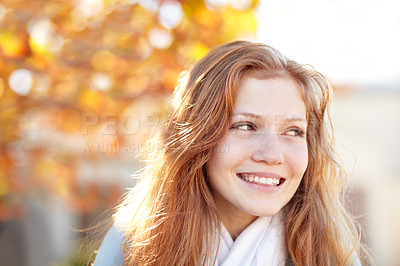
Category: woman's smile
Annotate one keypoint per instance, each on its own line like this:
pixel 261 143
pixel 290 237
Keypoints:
pixel 265 179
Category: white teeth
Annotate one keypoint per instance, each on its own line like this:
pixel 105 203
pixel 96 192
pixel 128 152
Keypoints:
pixel 262 180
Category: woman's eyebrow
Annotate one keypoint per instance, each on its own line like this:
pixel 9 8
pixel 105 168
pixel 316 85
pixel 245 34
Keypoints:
pixel 248 114
pixel 295 119
pixel 285 118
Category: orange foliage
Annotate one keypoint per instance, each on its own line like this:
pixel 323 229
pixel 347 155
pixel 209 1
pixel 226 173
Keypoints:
pixel 71 73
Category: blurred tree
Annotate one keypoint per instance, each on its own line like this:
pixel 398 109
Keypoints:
pixel 64 64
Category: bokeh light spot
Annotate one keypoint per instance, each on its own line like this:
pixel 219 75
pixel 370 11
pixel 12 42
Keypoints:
pixel 170 14
pixel 217 3
pixel 21 81
pixel 206 17
pixel 43 36
pixel 196 51
pixel 41 30
pixel 150 5
pixel 92 99
pixel 90 8
pixel 42 84
pixel 159 38
pixel 101 82
pixel 136 84
pixel 11 45
pixel 240 4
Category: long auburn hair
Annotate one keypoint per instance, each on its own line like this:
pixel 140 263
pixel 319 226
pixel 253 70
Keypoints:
pixel 170 217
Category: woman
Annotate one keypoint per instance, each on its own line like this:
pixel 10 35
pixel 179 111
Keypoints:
pixel 246 174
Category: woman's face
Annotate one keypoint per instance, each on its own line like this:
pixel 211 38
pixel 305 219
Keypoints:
pixel 257 166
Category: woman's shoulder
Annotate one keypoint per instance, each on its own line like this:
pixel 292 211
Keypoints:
pixel 111 251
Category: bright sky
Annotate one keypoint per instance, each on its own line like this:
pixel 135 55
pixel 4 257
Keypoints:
pixel 350 41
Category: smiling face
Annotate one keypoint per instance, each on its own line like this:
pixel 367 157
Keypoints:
pixel 258 165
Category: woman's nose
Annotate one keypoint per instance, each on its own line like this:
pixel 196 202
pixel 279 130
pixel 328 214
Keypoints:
pixel 268 149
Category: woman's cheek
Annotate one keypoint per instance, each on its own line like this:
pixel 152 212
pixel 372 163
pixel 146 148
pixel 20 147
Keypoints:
pixel 233 145
pixel 297 158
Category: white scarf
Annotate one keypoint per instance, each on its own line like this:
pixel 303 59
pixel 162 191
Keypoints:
pixel 261 243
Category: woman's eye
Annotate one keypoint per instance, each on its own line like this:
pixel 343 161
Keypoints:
pixel 295 132
pixel 244 126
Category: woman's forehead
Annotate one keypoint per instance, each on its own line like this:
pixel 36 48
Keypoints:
pixel 269 97
pixel 262 74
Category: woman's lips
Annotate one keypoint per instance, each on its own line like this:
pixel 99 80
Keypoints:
pixel 265 179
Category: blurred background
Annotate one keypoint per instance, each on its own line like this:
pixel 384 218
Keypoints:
pixel 84 85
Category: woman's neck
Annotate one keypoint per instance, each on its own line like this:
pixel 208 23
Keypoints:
pixel 234 219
